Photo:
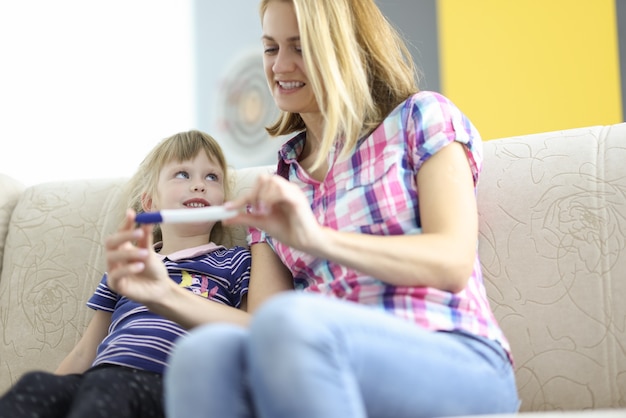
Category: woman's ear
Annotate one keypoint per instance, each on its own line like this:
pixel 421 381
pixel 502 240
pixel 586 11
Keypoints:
pixel 147 203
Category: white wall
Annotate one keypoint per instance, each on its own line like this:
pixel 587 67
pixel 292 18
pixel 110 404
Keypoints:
pixel 233 101
pixel 88 87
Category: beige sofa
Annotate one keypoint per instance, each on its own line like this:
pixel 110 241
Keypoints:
pixel 552 242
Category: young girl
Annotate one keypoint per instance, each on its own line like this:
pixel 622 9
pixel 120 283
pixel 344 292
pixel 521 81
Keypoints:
pixel 116 368
pixel 372 217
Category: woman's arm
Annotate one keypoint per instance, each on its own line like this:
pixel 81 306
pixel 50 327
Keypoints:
pixel 84 352
pixel 441 257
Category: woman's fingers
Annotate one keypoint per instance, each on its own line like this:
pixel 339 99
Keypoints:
pixel 279 208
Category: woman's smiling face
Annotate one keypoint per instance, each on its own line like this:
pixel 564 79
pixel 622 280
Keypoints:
pixel 283 61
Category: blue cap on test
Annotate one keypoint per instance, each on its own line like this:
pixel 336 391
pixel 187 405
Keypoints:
pixel 149 218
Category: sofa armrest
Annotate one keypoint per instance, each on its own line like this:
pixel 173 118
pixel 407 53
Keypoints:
pixel 10 191
pixel 52 263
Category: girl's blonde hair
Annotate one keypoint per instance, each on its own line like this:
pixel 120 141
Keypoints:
pixel 182 146
pixel 351 50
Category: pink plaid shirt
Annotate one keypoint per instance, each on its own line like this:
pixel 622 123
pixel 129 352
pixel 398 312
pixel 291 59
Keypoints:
pixel 375 192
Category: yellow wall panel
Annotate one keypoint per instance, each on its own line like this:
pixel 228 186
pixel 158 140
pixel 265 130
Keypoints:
pixel 524 66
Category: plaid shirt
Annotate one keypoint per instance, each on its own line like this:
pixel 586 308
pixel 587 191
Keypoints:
pixel 375 192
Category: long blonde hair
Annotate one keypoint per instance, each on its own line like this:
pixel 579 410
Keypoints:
pixel 351 50
pixel 182 146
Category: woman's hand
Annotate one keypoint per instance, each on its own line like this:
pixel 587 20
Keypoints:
pixel 281 209
pixel 133 268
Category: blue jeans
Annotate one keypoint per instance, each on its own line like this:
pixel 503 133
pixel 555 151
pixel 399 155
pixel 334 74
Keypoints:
pixel 311 356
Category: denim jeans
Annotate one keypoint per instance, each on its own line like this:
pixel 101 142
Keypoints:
pixel 311 356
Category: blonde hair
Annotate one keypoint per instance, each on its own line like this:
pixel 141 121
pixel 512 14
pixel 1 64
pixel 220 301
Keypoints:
pixel 352 50
pixel 182 146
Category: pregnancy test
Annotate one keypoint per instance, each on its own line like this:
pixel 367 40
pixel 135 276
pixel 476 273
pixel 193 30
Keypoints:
pixel 206 214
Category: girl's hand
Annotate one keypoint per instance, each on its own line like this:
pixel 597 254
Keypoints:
pixel 281 209
pixel 133 268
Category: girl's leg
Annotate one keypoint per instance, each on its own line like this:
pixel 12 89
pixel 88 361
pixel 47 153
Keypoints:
pixel 39 394
pixel 116 391
pixel 206 376
pixel 312 356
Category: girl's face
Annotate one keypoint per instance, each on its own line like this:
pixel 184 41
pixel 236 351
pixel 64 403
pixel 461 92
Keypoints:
pixel 282 59
pixel 192 183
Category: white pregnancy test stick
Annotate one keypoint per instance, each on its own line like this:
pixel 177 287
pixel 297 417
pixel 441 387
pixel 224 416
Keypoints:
pixel 207 214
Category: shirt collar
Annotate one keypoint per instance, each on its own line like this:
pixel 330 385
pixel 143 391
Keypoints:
pixel 188 252
pixel 291 150
pixel 289 153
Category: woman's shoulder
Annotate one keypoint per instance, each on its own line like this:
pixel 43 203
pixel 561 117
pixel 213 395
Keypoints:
pixel 427 98
pixel 425 104
pixel 430 107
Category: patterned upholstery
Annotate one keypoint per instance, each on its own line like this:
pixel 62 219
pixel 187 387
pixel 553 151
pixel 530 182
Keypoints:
pixel 552 237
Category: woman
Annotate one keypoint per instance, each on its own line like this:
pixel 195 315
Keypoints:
pixel 372 218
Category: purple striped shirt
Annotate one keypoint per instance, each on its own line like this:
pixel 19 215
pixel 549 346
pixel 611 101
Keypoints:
pixel 142 340
pixel 375 192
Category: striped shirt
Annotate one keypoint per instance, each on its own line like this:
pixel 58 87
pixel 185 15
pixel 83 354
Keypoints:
pixel 374 191
pixel 142 340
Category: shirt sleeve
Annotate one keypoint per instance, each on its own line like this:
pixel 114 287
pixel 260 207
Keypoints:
pixel 432 122
pixel 104 298
pixel 255 236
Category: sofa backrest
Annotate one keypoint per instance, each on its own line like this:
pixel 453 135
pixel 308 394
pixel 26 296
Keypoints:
pixel 552 245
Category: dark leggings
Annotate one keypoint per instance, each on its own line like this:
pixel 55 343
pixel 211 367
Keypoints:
pixel 104 391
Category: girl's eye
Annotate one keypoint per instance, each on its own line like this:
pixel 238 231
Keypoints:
pixel 212 177
pixel 182 175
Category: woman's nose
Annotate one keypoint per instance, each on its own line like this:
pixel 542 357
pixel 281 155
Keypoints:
pixel 282 62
